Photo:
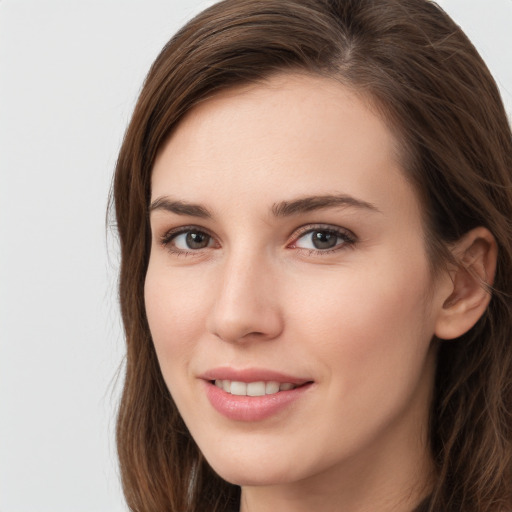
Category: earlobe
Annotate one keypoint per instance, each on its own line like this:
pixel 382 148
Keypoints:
pixel 476 253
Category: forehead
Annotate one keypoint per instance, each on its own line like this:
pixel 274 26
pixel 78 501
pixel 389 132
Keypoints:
pixel 291 135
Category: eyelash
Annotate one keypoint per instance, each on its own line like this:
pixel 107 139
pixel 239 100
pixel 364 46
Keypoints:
pixel 348 239
pixel 172 234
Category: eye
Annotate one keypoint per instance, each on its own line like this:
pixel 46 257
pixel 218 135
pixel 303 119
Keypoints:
pixel 187 240
pixel 323 239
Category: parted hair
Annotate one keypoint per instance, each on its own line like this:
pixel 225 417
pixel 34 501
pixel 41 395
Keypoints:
pixel 435 92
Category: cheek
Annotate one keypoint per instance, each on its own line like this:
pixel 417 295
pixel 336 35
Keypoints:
pixel 373 323
pixel 174 310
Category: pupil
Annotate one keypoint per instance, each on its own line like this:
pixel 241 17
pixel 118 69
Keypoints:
pixel 197 240
pixel 324 239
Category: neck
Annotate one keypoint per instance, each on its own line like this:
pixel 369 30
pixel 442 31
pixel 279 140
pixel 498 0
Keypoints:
pixel 362 486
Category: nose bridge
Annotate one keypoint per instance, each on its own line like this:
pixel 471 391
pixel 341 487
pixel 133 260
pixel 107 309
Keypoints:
pixel 246 304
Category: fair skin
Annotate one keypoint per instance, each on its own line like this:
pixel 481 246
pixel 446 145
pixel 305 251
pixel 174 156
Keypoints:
pixel 285 238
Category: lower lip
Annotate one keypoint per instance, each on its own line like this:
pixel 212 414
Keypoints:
pixel 252 408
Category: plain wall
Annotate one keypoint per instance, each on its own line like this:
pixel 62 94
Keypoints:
pixel 70 71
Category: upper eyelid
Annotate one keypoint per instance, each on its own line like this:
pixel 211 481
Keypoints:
pixel 307 228
pixel 173 232
pixel 298 232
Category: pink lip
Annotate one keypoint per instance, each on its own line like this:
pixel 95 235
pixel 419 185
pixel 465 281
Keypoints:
pixel 247 408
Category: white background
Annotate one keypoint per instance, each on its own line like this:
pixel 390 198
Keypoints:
pixel 70 71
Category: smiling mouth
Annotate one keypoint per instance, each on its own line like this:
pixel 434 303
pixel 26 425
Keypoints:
pixel 252 395
pixel 259 388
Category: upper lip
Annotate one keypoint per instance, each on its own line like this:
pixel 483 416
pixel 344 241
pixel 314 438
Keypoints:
pixel 251 375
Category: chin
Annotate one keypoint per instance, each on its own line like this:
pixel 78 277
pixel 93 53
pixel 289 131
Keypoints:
pixel 260 467
pixel 247 475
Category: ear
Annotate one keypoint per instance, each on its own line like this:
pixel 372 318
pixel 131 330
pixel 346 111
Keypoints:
pixel 476 253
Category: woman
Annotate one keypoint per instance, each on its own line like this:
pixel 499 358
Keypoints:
pixel 313 201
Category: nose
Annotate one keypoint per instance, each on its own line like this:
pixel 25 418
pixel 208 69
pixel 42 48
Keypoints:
pixel 246 306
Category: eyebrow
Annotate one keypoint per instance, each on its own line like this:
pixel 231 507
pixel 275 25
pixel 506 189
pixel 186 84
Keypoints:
pixel 180 208
pixel 281 209
pixel 308 204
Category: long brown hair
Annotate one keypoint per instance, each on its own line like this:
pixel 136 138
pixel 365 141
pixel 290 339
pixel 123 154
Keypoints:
pixel 434 90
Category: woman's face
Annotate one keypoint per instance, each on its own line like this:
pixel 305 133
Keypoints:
pixel 288 252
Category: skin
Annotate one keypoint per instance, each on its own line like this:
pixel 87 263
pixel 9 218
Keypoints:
pixel 357 320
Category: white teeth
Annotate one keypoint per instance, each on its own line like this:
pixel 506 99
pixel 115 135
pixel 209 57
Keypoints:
pixel 238 388
pixel 271 387
pixel 255 389
pixel 259 388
